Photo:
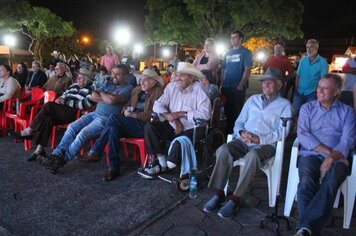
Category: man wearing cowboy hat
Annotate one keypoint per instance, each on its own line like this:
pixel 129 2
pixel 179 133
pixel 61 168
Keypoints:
pixel 130 123
pixel 62 111
pixel 183 101
pixel 256 132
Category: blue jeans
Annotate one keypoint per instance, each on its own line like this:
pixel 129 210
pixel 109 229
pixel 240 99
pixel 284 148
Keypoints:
pixel 300 99
pixel 79 133
pixel 315 200
pixel 117 126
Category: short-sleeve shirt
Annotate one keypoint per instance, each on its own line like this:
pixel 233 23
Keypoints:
pixel 234 64
pixel 108 109
pixel 310 74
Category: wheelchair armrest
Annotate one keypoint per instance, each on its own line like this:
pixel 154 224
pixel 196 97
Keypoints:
pixel 200 122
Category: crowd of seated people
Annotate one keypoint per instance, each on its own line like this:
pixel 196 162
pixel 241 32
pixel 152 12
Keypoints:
pixel 123 110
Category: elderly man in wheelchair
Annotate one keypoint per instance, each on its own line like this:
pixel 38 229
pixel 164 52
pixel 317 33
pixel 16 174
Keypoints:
pixel 183 101
pixel 256 132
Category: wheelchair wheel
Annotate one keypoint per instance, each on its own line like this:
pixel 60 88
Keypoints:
pixel 214 140
pixel 183 185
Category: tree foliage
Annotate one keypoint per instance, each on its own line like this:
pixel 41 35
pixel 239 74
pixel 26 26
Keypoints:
pixel 192 21
pixel 38 23
pixel 14 13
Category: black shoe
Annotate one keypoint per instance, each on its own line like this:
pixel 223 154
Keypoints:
pixel 111 175
pixel 58 162
pixel 17 135
pixel 34 156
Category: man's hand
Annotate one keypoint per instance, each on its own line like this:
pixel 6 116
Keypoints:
pixel 59 100
pixel 249 137
pixel 325 166
pixel 173 116
pixel 179 127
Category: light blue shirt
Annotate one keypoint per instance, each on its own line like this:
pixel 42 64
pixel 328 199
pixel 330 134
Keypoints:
pixel 264 122
pixel 310 74
pixel 334 128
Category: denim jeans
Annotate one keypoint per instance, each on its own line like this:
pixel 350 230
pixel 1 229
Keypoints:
pixel 315 200
pixel 79 133
pixel 300 99
pixel 117 126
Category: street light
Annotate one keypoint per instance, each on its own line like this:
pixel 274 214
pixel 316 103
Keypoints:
pixel 10 41
pixel 138 48
pixel 261 56
pixel 123 36
pixel 166 53
pixel 220 49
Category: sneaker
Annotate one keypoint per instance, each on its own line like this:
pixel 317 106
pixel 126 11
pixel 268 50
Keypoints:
pixel 228 210
pixel 303 232
pixel 213 204
pixel 149 173
pixel 46 161
pixel 58 163
pixel 89 157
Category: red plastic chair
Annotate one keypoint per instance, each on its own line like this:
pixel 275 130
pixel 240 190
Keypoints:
pixel 9 107
pixel 138 145
pixel 35 95
pixel 23 119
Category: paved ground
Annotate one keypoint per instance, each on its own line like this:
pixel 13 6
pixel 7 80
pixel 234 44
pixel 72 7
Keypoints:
pixel 77 202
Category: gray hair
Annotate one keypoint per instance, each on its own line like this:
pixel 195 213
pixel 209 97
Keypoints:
pixel 337 79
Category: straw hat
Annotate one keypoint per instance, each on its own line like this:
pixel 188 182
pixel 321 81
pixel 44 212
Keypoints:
pixel 151 74
pixel 187 68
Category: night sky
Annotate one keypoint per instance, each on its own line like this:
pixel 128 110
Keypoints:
pixel 97 18
pixel 321 19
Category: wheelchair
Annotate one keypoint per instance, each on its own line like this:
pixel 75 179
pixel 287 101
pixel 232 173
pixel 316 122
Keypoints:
pixel 205 148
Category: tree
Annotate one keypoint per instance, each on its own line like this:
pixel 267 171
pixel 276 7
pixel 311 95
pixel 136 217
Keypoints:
pixel 268 18
pixel 42 27
pixel 38 23
pixel 192 21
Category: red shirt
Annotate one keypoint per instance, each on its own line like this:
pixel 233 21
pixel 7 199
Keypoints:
pixel 280 62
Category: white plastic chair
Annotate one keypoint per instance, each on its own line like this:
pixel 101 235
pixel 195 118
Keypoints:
pixel 347 187
pixel 272 167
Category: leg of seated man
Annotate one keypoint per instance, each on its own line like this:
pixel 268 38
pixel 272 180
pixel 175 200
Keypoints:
pixel 156 136
pixel 89 132
pixel 225 156
pixel 316 213
pixel 175 155
pixel 71 133
pixel 253 158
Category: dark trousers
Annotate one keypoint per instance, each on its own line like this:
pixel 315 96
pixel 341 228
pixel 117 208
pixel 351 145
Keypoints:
pixel 51 114
pixel 234 102
pixel 158 134
pixel 118 126
pixel 315 199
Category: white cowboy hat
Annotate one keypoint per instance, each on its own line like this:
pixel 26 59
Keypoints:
pixel 187 68
pixel 151 74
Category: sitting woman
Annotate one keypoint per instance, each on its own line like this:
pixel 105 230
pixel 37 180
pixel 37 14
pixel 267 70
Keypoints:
pixel 210 89
pixel 62 111
pixel 130 123
pixel 9 87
